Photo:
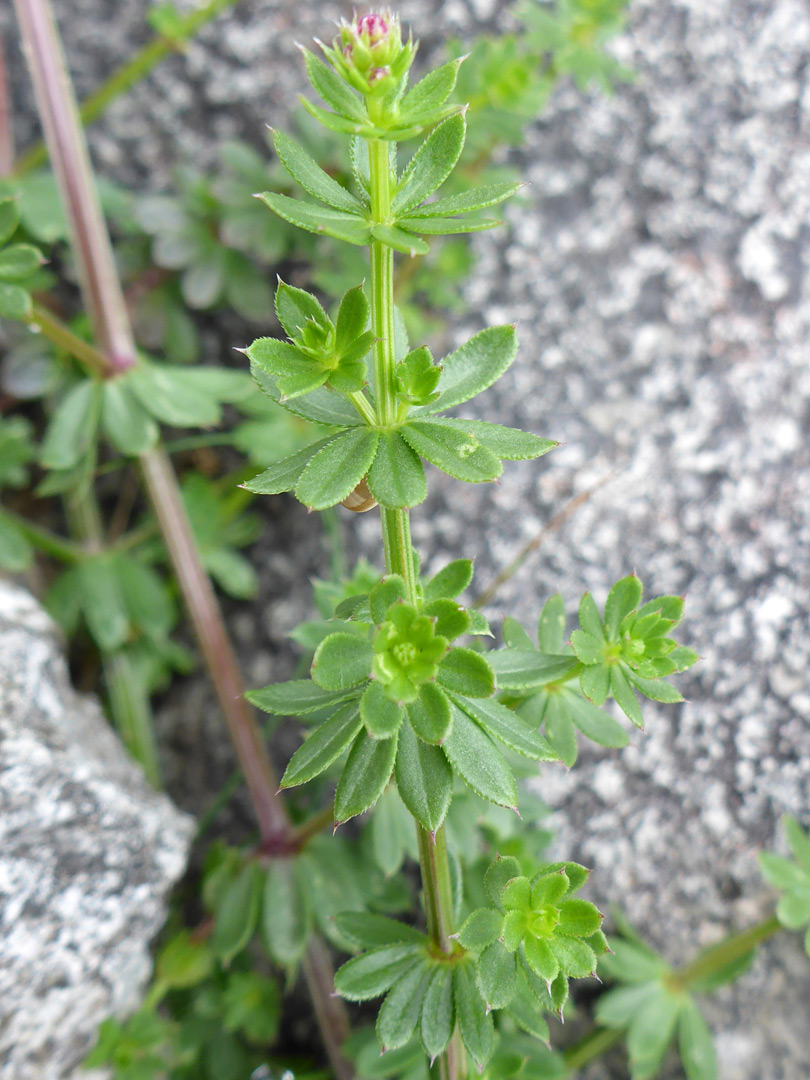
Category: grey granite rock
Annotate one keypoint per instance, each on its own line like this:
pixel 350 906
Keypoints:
pixel 658 271
pixel 88 854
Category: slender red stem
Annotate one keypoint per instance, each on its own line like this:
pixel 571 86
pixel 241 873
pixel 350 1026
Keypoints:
pixel 6 129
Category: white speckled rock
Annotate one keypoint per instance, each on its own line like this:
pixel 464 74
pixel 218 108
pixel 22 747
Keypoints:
pixel 88 854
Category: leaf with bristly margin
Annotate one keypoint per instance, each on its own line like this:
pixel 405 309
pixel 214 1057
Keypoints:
pixel 381 716
pixel 595 683
pixel 524 669
pixel 506 726
pixel 477 199
pixel 509 444
pixel 352 319
pixel 475 1023
pixel 15 303
pixel 496 974
pixel 399 1014
pixel 430 93
pixel 551 625
pixel 328 85
pixel 19 261
pixel 296 698
pixel 303 169
pixel 595 723
pixel 321 406
pixel 525 1012
pixel 369 931
pixel 472 368
pixel 452 620
pixel 72 427
pixel 323 747
pixel 624 597
pixel 337 469
pixel 655 689
pixel 695 1044
pixel 16 553
pixel 424 779
pixel 294 308
pixel 340 124
pixel 455 453
pixel 284 475
pixel 318 219
pixel 478 762
pixel 9 219
pixel 392 833
pixel 371 975
pixel 284 921
pixel 430 714
pixel 480 929
pixel 498 876
pixel 436 226
pixel 438 1011
pixel 397 477
pixel 466 672
pixel 622 691
pixel 430 165
pixel 365 774
pixel 385 593
pixel 128 426
pixel 341 661
pixel 450 581
pixel 238 913
pixel 399 239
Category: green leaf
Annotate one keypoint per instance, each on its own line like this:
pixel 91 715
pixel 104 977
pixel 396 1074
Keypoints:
pixel 341 661
pixel 589 618
pixel 103 602
pixel 371 975
pixel 430 93
pixel 336 470
pixel 480 929
pixel 479 763
pixel 127 424
pixel 311 176
pixel 382 716
pixel 72 427
pixel 397 477
pixel 655 689
pixel 595 683
pixel 371 931
pixel 430 714
pixel 506 726
pixel 16 553
pixel 799 842
pixel 440 226
pixel 466 672
pixel 452 451
pixel 524 1011
pixel 285 925
pixel 399 1013
pixel 632 962
pixel 438 1011
pixel 392 833
pixel 617 1008
pixel 321 406
pixel 524 669
pixel 624 597
pixel 595 723
pixel 334 91
pixel 400 240
pixel 365 774
pixel 651 1030
pixel 498 876
pixel 625 696
pixel 15 303
pixel 9 219
pixel 296 698
pixel 323 747
pixel 183 962
pixel 19 261
pixel 696 1044
pixel 559 728
pixel 476 199
pixel 450 581
pixel 452 620
pixel 430 165
pixel 424 779
pixel 589 649
pixel 284 474
pixel 318 219
pixel 506 443
pixel 238 913
pixel 496 973
pixel 385 593
pixel 341 124
pixel 551 625
pixel 793 909
pixel 579 918
pixel 174 395
pixel 473 367
pixel 294 309
pixel 475 1023
pixel 352 319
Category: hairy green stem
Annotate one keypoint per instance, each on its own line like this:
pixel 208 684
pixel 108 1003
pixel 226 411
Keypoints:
pixel 131 73
pixel 399 559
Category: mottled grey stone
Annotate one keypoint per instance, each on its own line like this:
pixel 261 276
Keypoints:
pixel 88 855
pixel 658 270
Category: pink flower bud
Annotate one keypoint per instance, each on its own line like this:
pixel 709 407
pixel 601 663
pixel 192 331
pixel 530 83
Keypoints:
pixel 378 73
pixel 373 26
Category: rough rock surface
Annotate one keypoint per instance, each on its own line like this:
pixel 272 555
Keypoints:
pixel 659 273
pixel 88 855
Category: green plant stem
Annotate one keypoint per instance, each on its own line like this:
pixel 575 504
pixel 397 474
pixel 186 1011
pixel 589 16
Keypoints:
pixel 708 962
pixel 63 337
pixel 396 530
pixel 44 540
pixel 128 702
pixel 131 73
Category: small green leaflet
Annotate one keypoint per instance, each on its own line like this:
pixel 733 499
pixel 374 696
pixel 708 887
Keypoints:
pixel 323 747
pixel 473 368
pixel 336 470
pixel 367 771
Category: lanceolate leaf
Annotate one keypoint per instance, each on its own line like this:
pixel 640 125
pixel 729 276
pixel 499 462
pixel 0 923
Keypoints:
pixel 438 1011
pixel 337 469
pixel 294 308
pixel 319 219
pixel 342 660
pixel 523 669
pixel 399 1013
pixel 334 91
pixel 473 367
pixel 466 672
pixel 443 226
pixel 399 239
pixel 696 1044
pixel 126 423
pixel 311 176
pixel 321 406
pixel 457 454
pixel 323 746
pixel 397 476
pixel 367 771
pixel 284 475
pixel 506 726
pixel 509 444
pixel 477 199
pixel 72 427
pixel 424 779
pixel 431 164
pixel 296 698
pixel 474 756
pixel 475 1023
pixel 431 92
pixel 238 913
pixel 369 931
pixel 371 975
pixel 284 920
